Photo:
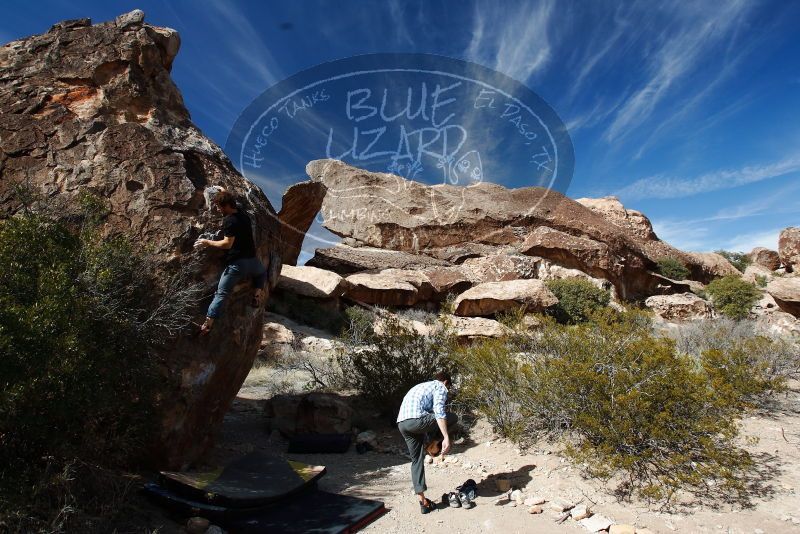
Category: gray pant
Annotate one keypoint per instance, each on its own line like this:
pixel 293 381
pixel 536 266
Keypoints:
pixel 414 431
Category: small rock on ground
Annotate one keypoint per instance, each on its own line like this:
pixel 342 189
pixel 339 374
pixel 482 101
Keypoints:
pixel 622 529
pixel 596 523
pixel 580 512
pixel 561 505
pixel 535 510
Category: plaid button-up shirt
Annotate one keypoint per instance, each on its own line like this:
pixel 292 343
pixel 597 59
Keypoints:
pixel 424 398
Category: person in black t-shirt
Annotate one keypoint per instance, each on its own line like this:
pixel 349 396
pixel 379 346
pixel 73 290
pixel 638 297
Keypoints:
pixel 240 260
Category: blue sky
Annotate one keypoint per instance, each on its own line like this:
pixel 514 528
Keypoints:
pixel 688 111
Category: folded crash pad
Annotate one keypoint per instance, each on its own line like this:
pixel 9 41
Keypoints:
pixel 253 481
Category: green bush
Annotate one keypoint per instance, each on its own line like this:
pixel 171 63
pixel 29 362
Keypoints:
pixel 392 360
pixel 672 268
pixel 732 296
pixel 740 260
pixel 78 318
pixel 577 299
pixel 626 403
pixel 761 281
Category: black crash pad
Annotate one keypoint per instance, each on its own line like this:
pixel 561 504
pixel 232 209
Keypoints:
pixel 253 481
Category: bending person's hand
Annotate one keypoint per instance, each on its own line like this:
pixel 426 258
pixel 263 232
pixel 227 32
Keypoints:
pixel 446 445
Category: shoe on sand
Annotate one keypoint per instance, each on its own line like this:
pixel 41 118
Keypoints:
pixel 452 497
pixel 427 506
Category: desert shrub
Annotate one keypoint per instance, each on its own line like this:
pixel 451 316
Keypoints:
pixel 577 299
pixel 492 378
pixel 79 317
pixel 732 296
pixel 672 268
pixel 740 260
pixel 391 361
pixel 624 400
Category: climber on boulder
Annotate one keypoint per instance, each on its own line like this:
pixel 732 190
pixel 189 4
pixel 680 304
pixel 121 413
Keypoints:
pixel 240 259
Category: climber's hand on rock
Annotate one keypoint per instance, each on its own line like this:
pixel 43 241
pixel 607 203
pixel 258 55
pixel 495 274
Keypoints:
pixel 201 243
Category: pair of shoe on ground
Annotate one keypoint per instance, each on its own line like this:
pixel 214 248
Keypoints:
pixel 458 499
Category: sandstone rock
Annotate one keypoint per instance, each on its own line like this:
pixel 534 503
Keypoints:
pixel 276 339
pixel 679 307
pixel 311 413
pixel 344 259
pixel 535 510
pixel 580 512
pixel 197 525
pixel 535 500
pixel 500 267
pixel 369 437
pixel 493 297
pixel 596 523
pixel 765 257
pixel 454 223
pixel 611 208
pixel 300 204
pixel 311 282
pixel 471 328
pixel 622 529
pixel 714 265
pixel 561 505
pixel 447 280
pixel 93 109
pixel 517 496
pixel 789 248
pixel 755 274
pixel 786 292
pixel 382 289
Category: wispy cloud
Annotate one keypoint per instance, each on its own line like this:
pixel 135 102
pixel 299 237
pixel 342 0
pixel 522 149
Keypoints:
pixel 696 35
pixel 748 241
pixel 513 41
pixel 669 187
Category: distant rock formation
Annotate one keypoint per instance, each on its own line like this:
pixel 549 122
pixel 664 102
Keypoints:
pixel 92 108
pixel 379 212
pixel 765 258
pixel 789 248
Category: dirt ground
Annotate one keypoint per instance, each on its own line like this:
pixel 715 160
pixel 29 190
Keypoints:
pixel 537 472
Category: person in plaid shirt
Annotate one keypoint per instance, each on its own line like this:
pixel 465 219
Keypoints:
pixel 421 412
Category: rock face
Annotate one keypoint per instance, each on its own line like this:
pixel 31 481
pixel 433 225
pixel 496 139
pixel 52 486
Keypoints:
pixel 612 208
pixel 312 413
pixel 786 292
pixel 679 307
pixel 493 297
pixel 714 265
pixel 299 206
pixel 311 282
pixel 379 211
pixel 765 258
pixel 789 248
pixel 88 108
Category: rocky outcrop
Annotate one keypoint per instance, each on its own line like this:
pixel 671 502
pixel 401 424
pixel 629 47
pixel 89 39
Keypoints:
pixel 789 248
pixel 714 265
pixel 344 259
pixel 473 328
pixel 493 297
pixel 312 413
pixel 786 292
pixel 92 109
pixel 389 287
pixel 765 258
pixel 679 307
pixel 311 282
pixel 757 274
pixel 300 204
pixel 379 211
pixel 631 220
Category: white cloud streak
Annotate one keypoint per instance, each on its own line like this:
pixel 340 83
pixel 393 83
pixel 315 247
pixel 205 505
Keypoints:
pixel 669 187
pixel 515 42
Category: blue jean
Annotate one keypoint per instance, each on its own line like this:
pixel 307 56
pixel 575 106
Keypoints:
pixel 233 273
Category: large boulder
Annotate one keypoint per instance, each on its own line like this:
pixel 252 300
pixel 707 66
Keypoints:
pixel 474 328
pixel 311 282
pixel 789 248
pixel 714 265
pixel 454 223
pixel 92 109
pixel 389 287
pixel 757 274
pixel 765 258
pixel 614 211
pixel 786 292
pixel 492 297
pixel 311 413
pixel 679 307
pixel 345 259
pixel 299 206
